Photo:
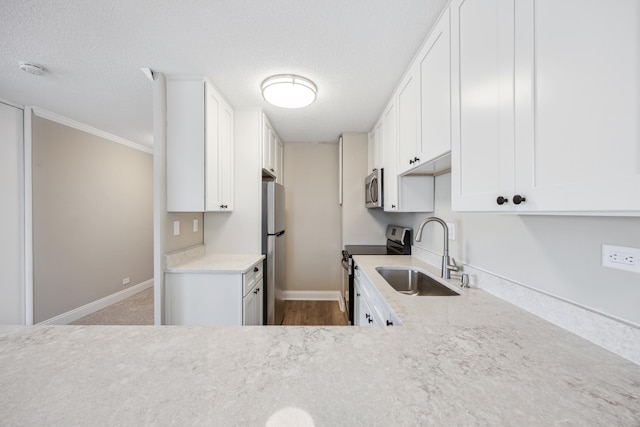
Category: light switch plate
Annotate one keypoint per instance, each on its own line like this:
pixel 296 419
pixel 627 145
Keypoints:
pixel 195 225
pixel 176 228
pixel 452 230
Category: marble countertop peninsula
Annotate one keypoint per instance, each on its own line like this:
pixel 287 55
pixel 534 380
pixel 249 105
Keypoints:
pixel 466 360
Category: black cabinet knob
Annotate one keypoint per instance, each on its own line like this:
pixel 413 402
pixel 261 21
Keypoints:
pixel 389 323
pixel 416 159
pixel 411 161
pixel 517 199
pixel 355 267
pixel 393 206
pixel 256 269
pixel 370 320
pixel 367 315
pixel 501 200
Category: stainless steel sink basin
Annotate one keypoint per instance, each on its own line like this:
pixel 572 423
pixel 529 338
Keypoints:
pixel 410 281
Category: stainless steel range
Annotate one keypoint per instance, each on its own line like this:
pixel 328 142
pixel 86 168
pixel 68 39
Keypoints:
pixel 398 243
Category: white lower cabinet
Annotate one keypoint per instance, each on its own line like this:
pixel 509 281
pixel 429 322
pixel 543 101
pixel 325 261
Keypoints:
pixel 214 298
pixel 370 308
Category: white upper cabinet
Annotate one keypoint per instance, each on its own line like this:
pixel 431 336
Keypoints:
pixel 270 150
pixel 199 147
pixel 390 150
pixel 279 161
pixel 547 105
pixel 482 112
pixel 577 105
pixel 408 121
pixel 435 93
pixel 375 147
pixel 424 105
pixel 401 193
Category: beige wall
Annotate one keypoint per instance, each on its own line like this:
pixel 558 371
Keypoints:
pixel 92 217
pixel 312 217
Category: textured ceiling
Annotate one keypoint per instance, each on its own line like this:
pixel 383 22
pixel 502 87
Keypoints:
pixel 354 50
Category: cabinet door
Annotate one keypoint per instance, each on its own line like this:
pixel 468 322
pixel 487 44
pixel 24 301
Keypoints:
pixel 268 147
pixel 226 157
pixel 185 145
pixel 390 149
pixel 363 315
pixel 279 161
pixel 374 147
pixel 578 105
pixel 408 123
pixel 213 197
pixel 218 152
pixel 482 41
pixel 252 306
pixel 435 93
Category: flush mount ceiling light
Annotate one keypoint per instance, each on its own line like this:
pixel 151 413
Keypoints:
pixel 289 91
pixel 35 69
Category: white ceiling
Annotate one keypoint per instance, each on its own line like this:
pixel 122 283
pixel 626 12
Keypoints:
pixel 354 50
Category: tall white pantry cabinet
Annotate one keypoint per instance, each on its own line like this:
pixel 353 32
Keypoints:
pixel 546 106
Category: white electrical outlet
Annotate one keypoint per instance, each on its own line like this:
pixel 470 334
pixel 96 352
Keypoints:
pixel 621 257
pixel 176 228
pixel 195 225
pixel 125 281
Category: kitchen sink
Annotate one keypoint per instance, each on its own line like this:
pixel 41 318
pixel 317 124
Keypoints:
pixel 410 281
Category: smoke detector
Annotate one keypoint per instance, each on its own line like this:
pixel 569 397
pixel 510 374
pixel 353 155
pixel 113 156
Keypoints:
pixel 35 69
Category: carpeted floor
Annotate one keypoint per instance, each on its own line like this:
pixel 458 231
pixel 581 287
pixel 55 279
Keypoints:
pixel 135 310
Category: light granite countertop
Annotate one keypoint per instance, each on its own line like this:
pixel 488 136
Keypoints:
pixel 466 360
pixel 216 263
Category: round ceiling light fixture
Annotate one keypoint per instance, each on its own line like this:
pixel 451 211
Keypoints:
pixel 35 69
pixel 289 91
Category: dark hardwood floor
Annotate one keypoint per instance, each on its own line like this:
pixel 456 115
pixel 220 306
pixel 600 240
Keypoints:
pixel 313 313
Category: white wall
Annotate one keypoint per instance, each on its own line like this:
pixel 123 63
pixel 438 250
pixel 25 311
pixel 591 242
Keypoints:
pixel 360 226
pixel 163 239
pixel 560 255
pixel 239 231
pixel 12 296
pixel 312 217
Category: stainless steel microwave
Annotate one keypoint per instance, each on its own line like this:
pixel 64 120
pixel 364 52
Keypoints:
pixel 373 189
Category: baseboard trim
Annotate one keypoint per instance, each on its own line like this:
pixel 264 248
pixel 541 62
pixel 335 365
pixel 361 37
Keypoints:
pixel 92 307
pixel 312 295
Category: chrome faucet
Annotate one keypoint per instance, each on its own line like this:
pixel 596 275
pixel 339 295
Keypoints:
pixel 448 264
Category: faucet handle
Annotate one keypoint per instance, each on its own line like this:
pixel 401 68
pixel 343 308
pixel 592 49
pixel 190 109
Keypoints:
pixel 451 264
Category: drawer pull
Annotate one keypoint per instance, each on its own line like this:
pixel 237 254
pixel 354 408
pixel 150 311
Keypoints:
pixel 256 269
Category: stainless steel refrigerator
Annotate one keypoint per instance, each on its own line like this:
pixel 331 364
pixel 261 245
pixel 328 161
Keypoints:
pixel 274 249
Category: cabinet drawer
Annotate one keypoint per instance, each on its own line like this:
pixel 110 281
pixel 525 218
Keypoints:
pixel 251 277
